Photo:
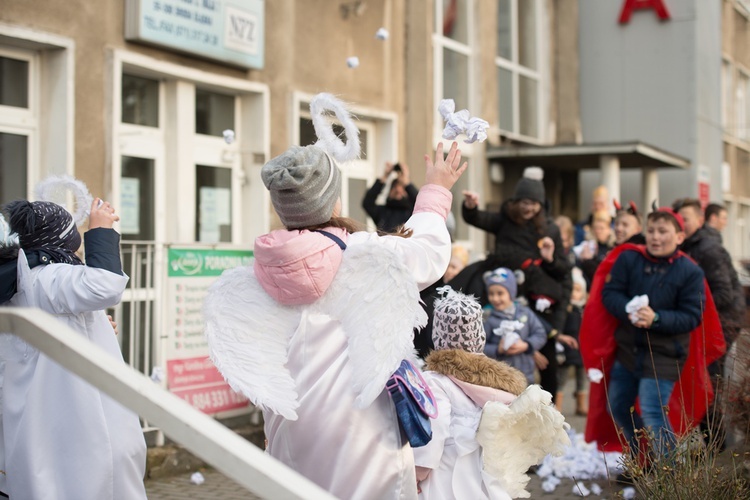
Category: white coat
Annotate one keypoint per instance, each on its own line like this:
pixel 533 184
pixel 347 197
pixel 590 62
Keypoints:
pixel 63 439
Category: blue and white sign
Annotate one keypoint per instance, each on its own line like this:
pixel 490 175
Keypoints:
pixel 230 31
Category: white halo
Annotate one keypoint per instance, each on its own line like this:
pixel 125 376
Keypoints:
pixel 327 139
pixel 53 189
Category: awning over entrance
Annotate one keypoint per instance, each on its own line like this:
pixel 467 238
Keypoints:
pixel 609 158
pixel 579 156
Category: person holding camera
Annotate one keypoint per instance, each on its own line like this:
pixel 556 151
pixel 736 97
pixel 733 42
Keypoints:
pixel 400 202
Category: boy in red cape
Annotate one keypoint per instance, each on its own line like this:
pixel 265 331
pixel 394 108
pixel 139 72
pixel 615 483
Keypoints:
pixel 659 352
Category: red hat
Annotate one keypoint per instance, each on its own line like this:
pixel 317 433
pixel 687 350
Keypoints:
pixel 676 215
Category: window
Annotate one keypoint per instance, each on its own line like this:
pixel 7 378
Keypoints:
pixel 140 101
pixel 213 199
pixel 519 75
pixel 18 122
pixel 452 41
pixel 726 95
pixel 214 113
pixel 742 105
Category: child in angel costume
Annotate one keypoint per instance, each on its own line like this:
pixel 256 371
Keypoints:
pixel 490 427
pixel 60 437
pixel 312 332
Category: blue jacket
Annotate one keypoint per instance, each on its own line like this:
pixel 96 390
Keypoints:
pixel 533 333
pixel 674 286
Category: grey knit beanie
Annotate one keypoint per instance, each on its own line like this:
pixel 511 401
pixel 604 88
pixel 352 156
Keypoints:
pixel 305 184
pixel 530 187
pixel 457 323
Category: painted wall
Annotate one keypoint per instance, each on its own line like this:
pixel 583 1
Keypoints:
pixel 654 81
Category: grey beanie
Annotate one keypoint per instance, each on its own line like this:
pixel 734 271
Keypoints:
pixel 530 187
pixel 457 323
pixel 305 184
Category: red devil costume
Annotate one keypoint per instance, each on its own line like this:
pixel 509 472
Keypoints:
pixel 692 393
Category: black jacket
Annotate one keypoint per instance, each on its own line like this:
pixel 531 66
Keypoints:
pixel 515 245
pixel 704 247
pixel 390 216
pixel 674 286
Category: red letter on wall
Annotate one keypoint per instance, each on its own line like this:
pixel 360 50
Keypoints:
pixel 631 5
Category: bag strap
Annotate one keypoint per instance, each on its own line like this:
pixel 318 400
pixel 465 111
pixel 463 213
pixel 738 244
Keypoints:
pixel 332 237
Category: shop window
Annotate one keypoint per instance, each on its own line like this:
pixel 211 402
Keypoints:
pixel 213 200
pixel 140 101
pixel 726 95
pixel 518 62
pixel 13 166
pixel 214 113
pixel 452 43
pixel 742 106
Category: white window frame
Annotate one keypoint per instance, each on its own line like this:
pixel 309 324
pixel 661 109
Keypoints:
pixel 49 118
pixel 742 105
pixel 441 42
pixel 539 75
pixel 727 96
pixel 182 147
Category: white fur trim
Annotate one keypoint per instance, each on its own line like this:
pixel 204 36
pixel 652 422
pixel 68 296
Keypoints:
pixel 53 189
pixel 327 140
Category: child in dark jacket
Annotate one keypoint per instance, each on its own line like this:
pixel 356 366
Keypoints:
pixel 513 331
pixel 568 340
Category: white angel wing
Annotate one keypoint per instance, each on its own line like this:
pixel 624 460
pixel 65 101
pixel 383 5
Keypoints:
pixel 249 352
pixel 514 437
pixel 376 299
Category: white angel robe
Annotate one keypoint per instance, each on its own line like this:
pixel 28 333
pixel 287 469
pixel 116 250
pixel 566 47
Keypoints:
pixel 61 438
pixel 319 370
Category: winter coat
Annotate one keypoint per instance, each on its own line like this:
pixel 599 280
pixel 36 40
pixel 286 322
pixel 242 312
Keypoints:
pixel 394 213
pixel 462 383
pixel 304 358
pixel 532 332
pixel 516 247
pixel 674 286
pixel 705 248
pixel 61 437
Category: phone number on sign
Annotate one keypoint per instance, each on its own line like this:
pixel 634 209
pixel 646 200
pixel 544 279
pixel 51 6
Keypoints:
pixel 216 400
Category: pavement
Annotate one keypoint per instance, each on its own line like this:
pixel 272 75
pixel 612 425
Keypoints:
pixel 218 487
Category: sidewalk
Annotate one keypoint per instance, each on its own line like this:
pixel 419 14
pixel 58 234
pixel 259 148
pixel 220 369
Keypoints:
pixel 218 487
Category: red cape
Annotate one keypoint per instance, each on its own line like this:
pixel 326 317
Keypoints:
pixel 692 394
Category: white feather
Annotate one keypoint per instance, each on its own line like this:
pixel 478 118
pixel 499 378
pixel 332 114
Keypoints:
pixel 376 299
pixel 248 336
pixel 53 189
pixel 535 173
pixel 327 139
pixel 520 435
pixel 7 237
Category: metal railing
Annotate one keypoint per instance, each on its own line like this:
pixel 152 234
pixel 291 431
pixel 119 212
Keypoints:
pixel 231 455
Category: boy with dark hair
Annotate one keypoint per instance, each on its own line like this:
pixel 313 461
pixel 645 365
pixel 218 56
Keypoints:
pixel 716 216
pixel 641 330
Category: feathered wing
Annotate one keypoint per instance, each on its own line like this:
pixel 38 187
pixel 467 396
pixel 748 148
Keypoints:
pixel 376 299
pixel 248 337
pixel 514 437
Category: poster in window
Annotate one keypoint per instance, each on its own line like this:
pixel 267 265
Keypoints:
pixel 214 211
pixel 129 205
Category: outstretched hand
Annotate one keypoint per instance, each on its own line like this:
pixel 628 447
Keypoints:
pixel 444 171
pixel 102 214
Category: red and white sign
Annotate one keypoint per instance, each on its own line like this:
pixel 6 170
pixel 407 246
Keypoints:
pixel 197 381
pixel 631 5
pixel 704 193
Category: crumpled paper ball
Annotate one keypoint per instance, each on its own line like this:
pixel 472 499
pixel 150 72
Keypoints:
pixel 382 34
pixel 197 478
pixel 352 62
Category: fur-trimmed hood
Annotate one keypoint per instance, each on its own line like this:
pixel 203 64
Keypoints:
pixel 476 369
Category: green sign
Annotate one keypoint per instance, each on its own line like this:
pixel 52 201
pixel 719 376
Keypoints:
pixel 199 262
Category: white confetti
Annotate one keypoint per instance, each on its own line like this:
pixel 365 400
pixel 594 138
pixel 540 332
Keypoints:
pixel 197 478
pixel 542 304
pixel 628 493
pixel 549 484
pixel 461 122
pixel 352 62
pixel 580 490
pixel 228 136
pixel 157 374
pixel 595 375
pixel 382 34
pixel 596 489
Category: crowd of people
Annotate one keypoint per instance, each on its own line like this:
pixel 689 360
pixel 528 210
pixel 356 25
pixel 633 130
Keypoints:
pixel 321 324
